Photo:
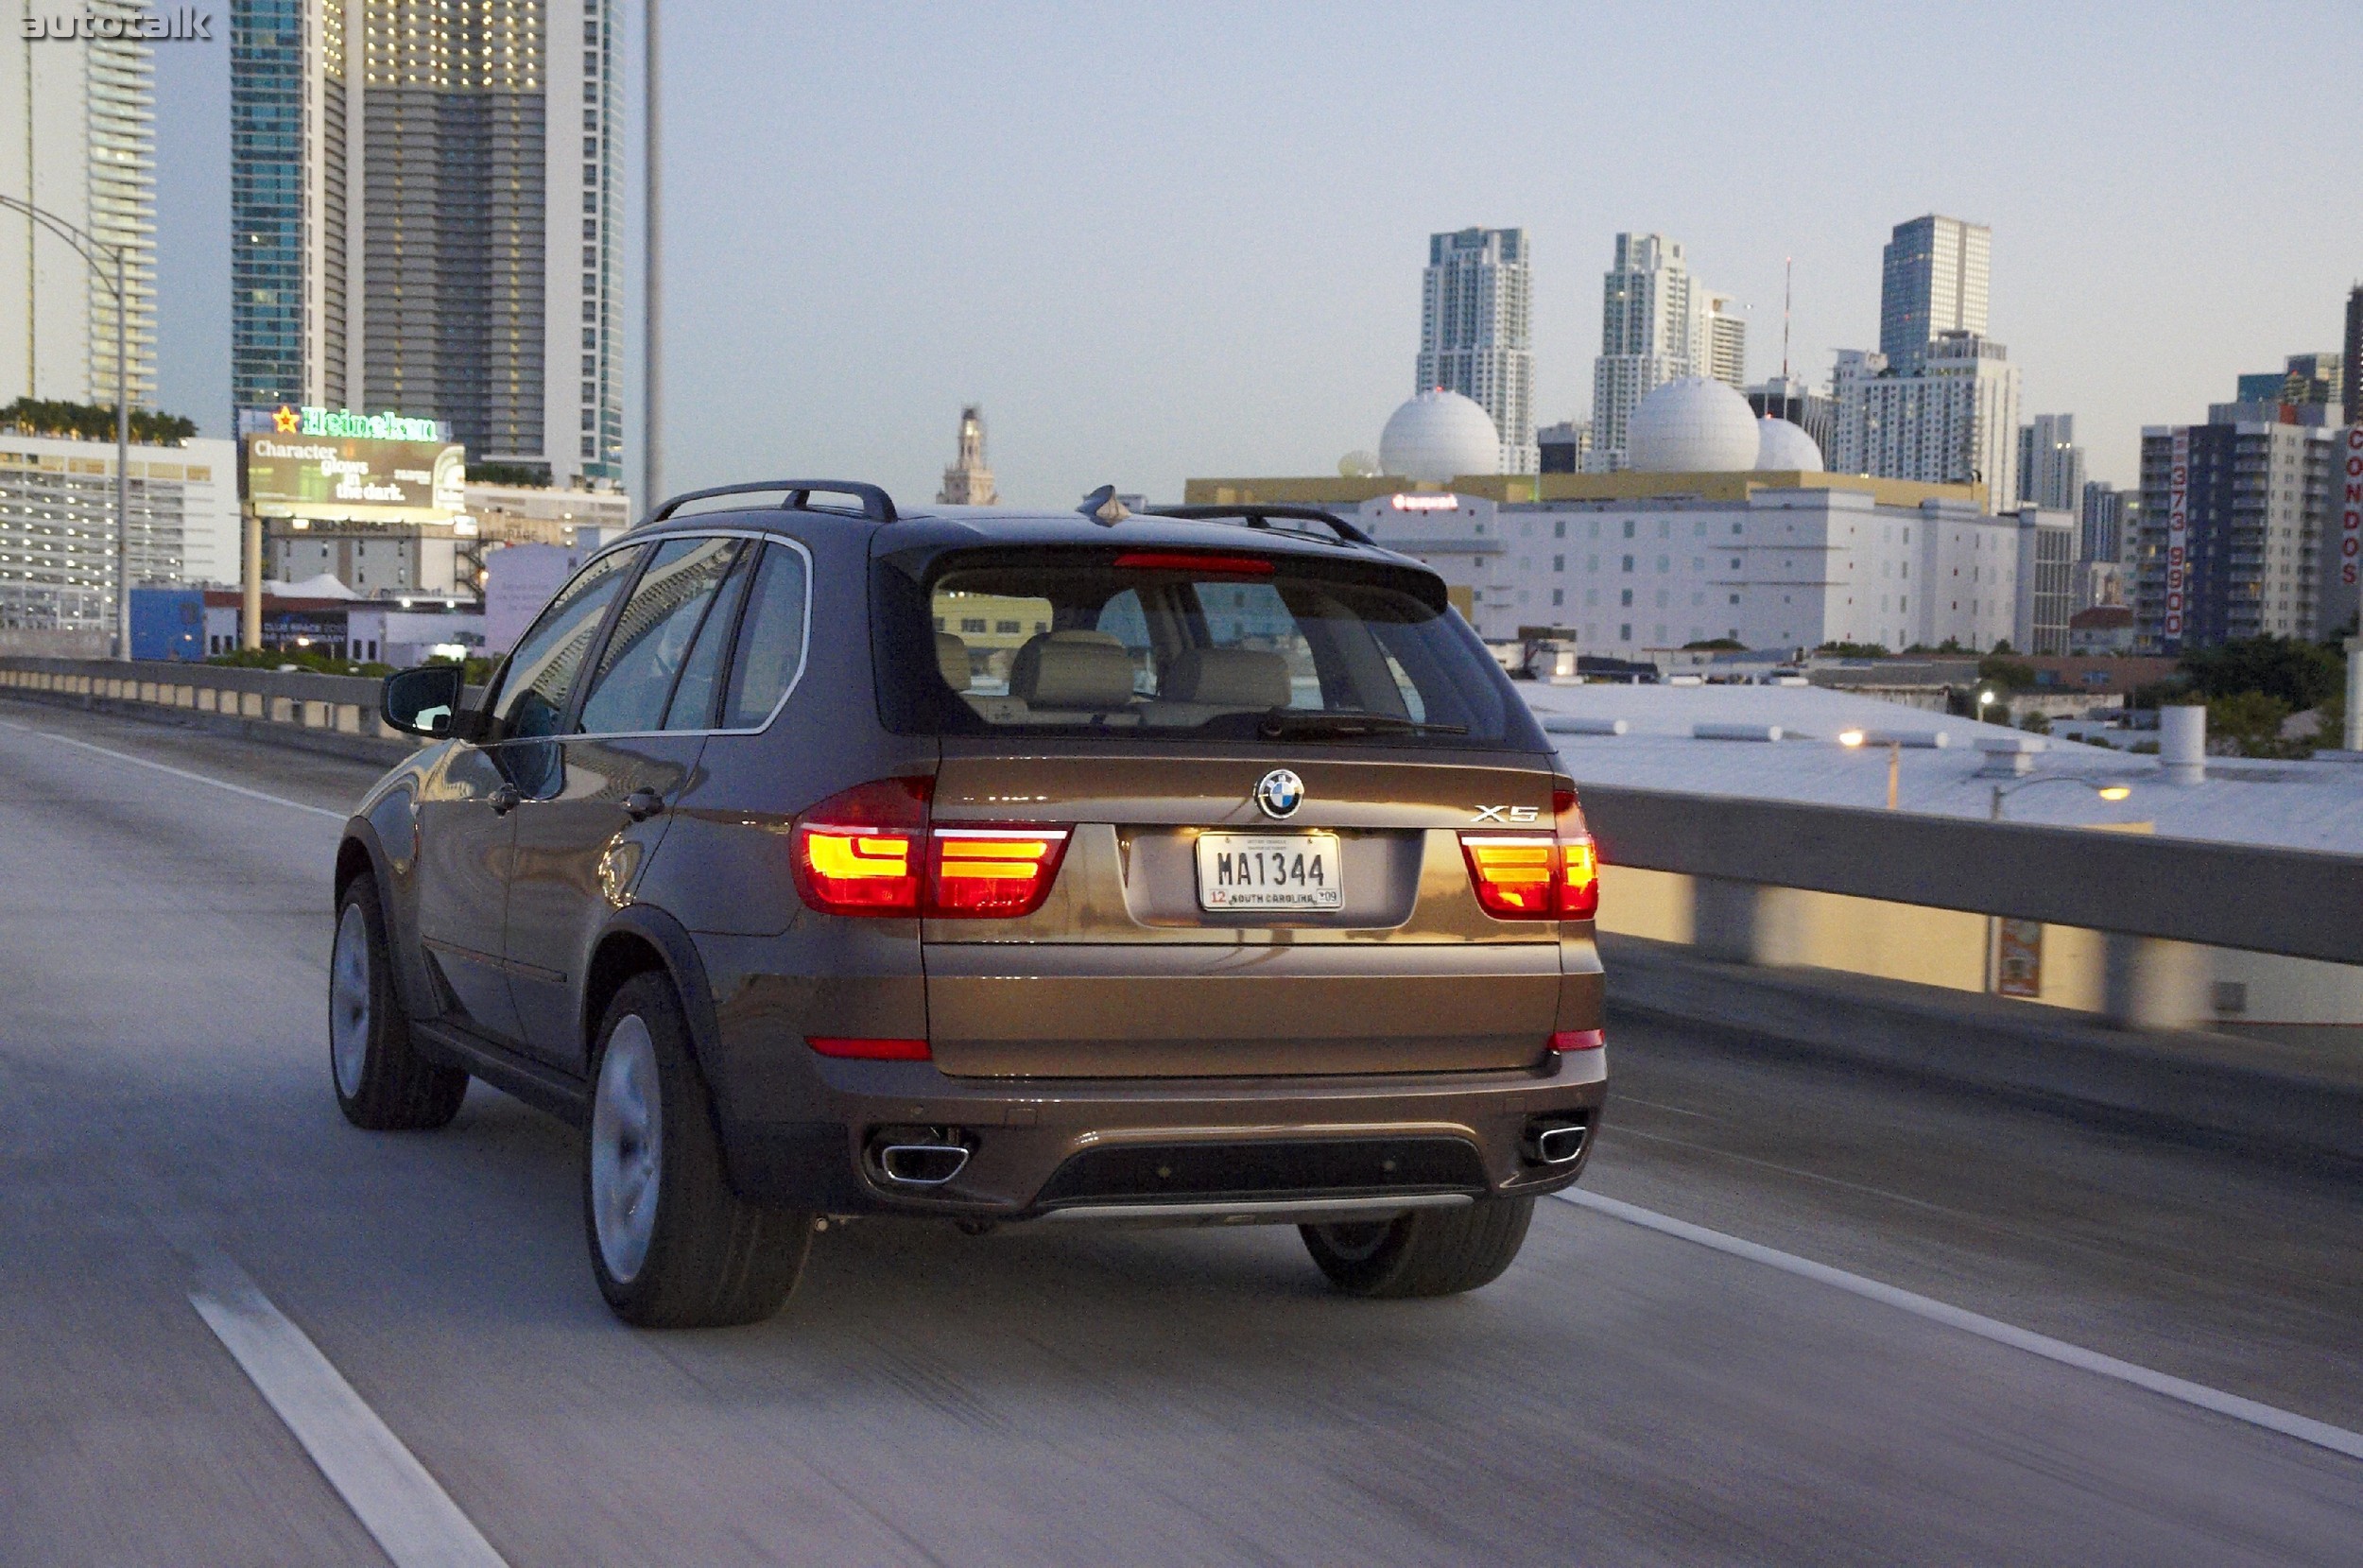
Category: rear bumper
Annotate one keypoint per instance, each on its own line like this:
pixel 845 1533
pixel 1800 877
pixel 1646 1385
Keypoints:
pixel 1186 1148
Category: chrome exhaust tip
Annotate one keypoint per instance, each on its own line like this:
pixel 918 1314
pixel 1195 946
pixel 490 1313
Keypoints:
pixel 1556 1142
pixel 918 1157
pixel 921 1164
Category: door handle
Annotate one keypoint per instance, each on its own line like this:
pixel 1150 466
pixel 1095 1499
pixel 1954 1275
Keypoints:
pixel 643 803
pixel 503 799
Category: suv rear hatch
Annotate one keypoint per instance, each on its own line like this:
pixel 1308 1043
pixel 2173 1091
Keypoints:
pixel 1246 776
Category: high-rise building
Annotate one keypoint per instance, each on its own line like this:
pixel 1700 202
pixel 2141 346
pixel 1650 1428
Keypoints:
pixel 2106 512
pixel 1933 281
pixel 968 482
pixel 2234 516
pixel 1477 335
pixel 2050 464
pixel 1657 323
pixel 2304 380
pixel 80 112
pixel 1725 340
pixel 1954 420
pixel 2351 367
pixel 414 229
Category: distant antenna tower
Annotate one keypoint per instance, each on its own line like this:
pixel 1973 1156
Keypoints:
pixel 1789 287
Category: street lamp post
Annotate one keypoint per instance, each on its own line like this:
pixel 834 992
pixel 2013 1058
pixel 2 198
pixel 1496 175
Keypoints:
pixel 2106 792
pixel 653 372
pixel 2001 792
pixel 87 247
pixel 1851 738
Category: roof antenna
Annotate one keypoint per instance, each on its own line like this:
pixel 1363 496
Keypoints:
pixel 1102 507
pixel 1789 287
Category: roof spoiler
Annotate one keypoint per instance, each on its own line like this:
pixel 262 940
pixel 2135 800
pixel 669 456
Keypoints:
pixel 1258 516
pixel 876 505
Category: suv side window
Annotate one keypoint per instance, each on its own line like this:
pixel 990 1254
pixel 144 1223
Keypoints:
pixel 770 640
pixel 540 673
pixel 647 651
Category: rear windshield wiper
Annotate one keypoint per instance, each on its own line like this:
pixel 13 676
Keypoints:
pixel 1332 721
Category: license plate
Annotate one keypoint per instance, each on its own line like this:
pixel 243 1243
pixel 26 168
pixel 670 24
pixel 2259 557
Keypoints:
pixel 1268 871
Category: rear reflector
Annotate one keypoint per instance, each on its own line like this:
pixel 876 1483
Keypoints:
pixel 867 1049
pixel 1578 1040
pixel 1175 560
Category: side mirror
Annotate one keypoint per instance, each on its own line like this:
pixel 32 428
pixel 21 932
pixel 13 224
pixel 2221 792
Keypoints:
pixel 423 702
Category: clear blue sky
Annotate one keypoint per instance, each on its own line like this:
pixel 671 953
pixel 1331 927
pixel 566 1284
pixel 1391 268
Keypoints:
pixel 1163 241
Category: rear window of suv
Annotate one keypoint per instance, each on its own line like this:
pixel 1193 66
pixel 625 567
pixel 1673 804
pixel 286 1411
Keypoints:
pixel 1194 644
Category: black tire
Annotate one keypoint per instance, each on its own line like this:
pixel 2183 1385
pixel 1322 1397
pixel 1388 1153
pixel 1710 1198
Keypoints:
pixel 382 1082
pixel 705 1258
pixel 1425 1253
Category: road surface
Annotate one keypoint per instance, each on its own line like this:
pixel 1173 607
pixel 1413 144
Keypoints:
pixel 167 1138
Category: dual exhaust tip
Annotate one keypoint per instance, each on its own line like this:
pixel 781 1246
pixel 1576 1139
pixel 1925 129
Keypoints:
pixel 918 1157
pixel 923 1156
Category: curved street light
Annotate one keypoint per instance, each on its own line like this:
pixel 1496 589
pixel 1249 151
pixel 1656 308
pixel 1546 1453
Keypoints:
pixel 87 246
pixel 2106 792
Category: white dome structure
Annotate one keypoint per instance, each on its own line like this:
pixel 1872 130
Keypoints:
pixel 1782 447
pixel 1691 424
pixel 1437 437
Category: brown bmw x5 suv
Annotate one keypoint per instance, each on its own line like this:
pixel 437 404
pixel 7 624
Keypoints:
pixel 822 859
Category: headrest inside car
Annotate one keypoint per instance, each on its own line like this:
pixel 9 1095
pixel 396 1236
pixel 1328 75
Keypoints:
pixel 1072 670
pixel 952 659
pixel 1229 676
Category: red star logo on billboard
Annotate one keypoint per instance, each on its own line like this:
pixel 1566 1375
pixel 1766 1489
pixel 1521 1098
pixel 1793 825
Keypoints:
pixel 288 420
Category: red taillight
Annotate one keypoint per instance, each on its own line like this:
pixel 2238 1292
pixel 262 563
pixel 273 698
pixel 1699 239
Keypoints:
pixel 991 874
pixel 867 1049
pixel 1513 873
pixel 870 851
pixel 1578 1040
pixel 858 852
pixel 1176 561
pixel 1537 876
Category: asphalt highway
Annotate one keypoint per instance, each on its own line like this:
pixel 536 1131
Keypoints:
pixel 1625 1395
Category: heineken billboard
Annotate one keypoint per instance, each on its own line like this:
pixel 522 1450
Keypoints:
pixel 331 465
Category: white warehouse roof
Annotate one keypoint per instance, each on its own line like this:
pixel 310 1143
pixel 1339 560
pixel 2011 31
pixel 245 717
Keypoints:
pixel 2305 805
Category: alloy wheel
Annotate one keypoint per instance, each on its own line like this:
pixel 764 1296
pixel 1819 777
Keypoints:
pixel 626 1150
pixel 349 1002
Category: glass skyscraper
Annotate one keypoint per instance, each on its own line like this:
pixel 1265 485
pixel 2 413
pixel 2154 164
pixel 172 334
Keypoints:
pixel 415 230
pixel 1933 281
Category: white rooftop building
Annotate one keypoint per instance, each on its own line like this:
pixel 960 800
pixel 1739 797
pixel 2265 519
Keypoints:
pixel 1781 569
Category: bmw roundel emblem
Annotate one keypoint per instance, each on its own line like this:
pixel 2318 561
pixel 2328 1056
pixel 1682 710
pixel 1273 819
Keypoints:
pixel 1280 792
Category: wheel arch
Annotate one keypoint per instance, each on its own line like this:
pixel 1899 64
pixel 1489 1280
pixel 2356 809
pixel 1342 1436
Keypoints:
pixel 360 853
pixel 637 940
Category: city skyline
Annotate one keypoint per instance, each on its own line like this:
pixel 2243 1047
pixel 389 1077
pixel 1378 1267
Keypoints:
pixel 1136 349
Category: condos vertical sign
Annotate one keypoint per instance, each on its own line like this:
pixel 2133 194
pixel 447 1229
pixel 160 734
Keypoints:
pixel 2178 533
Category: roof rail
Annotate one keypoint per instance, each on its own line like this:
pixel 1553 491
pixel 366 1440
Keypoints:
pixel 876 505
pixel 1258 516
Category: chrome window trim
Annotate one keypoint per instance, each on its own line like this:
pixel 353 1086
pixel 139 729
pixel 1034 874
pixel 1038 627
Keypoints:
pixel 804 647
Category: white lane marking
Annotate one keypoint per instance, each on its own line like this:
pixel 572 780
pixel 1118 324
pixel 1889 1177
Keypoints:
pixel 411 1517
pixel 176 772
pixel 2289 1424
